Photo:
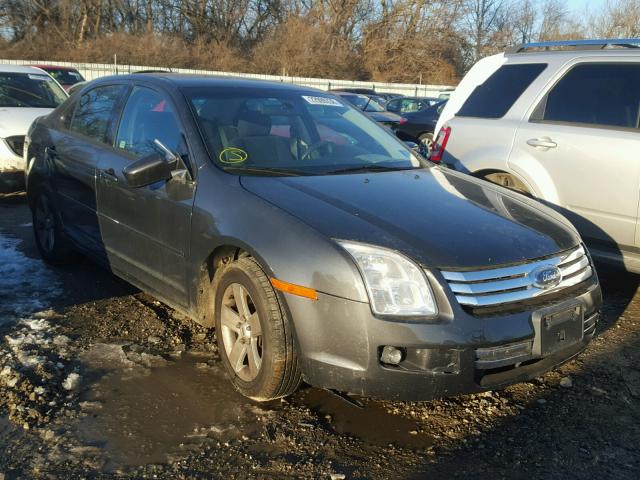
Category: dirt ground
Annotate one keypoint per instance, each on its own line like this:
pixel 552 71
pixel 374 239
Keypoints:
pixel 98 380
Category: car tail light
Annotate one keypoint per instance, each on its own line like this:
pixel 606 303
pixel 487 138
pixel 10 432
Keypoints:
pixel 403 120
pixel 440 144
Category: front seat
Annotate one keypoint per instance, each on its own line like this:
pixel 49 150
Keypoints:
pixel 255 138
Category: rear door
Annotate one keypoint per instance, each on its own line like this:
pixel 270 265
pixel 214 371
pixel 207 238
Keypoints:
pixel 86 132
pixel 581 144
pixel 146 229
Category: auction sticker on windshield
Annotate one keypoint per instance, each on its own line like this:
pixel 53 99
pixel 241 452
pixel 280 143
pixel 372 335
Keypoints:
pixel 325 101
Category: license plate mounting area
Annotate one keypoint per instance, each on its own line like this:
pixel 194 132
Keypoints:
pixel 557 328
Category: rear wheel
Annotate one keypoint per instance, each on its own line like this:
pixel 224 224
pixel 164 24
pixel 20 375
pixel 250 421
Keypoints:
pixel 509 181
pixel 427 140
pixel 51 241
pixel 254 335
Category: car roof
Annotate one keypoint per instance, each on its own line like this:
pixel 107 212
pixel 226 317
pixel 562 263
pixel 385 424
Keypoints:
pixel 181 80
pixel 535 55
pixel 55 67
pixel 4 67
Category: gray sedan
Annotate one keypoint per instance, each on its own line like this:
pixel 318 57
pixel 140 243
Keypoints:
pixel 319 246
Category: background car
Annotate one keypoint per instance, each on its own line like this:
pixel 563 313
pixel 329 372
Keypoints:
pixel 373 109
pixel 65 76
pixel 558 121
pixel 420 124
pixel 403 105
pixel 25 94
pixel 389 96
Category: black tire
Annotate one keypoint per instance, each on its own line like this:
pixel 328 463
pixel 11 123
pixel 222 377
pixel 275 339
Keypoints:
pixel 51 241
pixel 279 373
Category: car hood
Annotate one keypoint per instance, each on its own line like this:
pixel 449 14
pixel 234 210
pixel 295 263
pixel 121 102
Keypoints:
pixel 17 120
pixel 439 218
pixel 384 116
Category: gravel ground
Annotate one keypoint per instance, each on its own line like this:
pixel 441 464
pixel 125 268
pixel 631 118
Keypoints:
pixel 100 380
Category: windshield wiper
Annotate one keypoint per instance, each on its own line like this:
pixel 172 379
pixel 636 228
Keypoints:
pixel 268 171
pixel 368 168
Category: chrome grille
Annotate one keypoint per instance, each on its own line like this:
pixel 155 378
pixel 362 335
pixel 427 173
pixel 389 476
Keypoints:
pixel 495 286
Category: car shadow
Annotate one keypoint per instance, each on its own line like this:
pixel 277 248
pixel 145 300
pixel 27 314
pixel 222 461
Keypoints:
pixel 82 281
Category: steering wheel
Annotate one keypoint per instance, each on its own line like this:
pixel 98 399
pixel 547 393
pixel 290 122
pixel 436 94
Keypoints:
pixel 314 148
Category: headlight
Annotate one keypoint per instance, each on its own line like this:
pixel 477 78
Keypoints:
pixel 396 285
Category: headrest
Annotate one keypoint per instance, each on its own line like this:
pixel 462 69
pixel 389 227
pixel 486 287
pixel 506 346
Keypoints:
pixel 254 124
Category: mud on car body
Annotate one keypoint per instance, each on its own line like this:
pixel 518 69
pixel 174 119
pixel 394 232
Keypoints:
pixel 319 245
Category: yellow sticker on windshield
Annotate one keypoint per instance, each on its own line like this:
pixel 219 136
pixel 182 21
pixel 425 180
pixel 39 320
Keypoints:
pixel 233 155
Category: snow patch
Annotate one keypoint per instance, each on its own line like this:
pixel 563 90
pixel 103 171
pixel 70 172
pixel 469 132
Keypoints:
pixel 27 284
pixel 72 382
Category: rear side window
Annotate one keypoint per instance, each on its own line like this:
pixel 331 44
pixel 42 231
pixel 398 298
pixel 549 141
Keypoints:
pixel 605 94
pixel 500 91
pixel 95 111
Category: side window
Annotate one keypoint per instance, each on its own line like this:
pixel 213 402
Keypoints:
pixel 95 110
pixel 393 105
pixel 148 116
pixel 499 92
pixel 605 94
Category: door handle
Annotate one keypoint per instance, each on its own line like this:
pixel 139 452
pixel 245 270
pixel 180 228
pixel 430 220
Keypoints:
pixel 109 174
pixel 544 143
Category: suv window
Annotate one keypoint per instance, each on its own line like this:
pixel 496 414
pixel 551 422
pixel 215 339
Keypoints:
pixel 148 116
pixel 95 110
pixel 499 92
pixel 605 94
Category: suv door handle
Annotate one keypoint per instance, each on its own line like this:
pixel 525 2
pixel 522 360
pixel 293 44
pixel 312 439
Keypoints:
pixel 109 174
pixel 542 143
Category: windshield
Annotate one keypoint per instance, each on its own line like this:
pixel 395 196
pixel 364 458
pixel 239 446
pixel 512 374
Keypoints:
pixel 65 77
pixel 363 103
pixel 30 90
pixel 266 132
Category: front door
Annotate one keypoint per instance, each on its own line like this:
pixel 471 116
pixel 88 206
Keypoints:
pixel 583 142
pixel 146 230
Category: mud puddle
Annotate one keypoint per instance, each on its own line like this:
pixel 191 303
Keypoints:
pixel 142 416
pixel 373 424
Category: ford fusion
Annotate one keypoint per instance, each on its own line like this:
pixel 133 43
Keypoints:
pixel 319 246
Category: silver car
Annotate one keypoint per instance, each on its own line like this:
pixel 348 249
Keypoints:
pixel 557 121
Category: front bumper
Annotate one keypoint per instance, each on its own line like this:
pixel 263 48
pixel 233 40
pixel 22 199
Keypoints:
pixel 11 169
pixel 340 343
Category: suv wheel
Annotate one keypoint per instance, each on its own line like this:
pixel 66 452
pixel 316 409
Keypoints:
pixel 508 181
pixel 253 333
pixel 427 140
pixel 52 243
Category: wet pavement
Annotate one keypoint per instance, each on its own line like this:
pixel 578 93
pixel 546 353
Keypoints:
pixel 99 380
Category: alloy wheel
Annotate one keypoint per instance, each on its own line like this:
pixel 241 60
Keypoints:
pixel 241 332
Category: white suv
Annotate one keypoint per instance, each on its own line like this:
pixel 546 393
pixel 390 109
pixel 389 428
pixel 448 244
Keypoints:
pixel 558 121
pixel 25 94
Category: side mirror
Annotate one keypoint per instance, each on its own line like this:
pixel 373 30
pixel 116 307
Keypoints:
pixel 148 170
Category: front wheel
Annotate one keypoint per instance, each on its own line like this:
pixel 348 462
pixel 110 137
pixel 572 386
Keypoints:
pixel 253 333
pixel 51 241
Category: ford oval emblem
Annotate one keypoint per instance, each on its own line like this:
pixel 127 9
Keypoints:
pixel 546 276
